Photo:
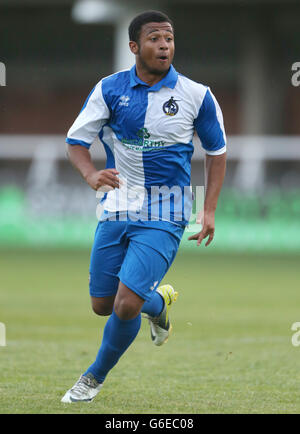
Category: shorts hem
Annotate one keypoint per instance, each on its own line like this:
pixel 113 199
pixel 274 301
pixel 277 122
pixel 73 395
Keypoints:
pixel 142 295
pixel 101 294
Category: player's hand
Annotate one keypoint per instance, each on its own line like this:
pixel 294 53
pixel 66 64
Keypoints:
pixel 101 178
pixel 208 229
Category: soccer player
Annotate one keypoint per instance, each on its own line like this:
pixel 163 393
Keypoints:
pixel 145 118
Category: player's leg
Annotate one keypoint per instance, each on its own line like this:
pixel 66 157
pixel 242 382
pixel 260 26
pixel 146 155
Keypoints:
pixel 119 332
pixel 154 306
pixel 163 237
pixel 141 267
pixel 107 255
pixel 160 326
pixel 127 304
pixel 103 306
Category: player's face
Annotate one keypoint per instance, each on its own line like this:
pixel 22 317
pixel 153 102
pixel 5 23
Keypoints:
pixel 155 50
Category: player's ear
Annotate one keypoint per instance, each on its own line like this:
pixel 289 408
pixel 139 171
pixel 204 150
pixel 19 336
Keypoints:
pixel 134 48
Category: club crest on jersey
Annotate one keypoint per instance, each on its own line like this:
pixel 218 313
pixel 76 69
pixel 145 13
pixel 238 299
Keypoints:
pixel 170 107
pixel 124 100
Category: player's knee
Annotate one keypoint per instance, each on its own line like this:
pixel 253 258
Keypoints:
pixel 102 311
pixel 127 303
pixel 126 309
pixel 102 308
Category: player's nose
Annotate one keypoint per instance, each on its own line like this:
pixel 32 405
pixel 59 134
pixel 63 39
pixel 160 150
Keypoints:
pixel 163 45
pixel 164 50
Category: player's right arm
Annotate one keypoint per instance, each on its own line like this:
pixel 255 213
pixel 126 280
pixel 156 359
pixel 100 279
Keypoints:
pixel 93 115
pixel 80 158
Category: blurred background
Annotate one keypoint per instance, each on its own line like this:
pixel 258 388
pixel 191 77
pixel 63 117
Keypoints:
pixel 56 51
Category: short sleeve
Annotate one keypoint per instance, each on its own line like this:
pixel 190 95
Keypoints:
pixel 93 115
pixel 210 127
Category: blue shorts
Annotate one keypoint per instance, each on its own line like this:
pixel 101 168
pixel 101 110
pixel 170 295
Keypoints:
pixel 136 253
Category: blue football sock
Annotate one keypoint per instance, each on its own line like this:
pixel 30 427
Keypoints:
pixel 117 337
pixel 154 306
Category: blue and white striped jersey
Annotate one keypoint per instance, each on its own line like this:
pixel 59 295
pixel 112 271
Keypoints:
pixel 147 134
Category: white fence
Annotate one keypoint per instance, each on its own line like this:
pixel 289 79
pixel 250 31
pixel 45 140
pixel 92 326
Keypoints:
pixel 249 152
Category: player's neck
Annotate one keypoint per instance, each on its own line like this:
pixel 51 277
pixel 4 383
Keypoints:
pixel 147 77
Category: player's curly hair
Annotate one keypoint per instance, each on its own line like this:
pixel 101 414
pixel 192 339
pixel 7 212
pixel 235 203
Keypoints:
pixel 136 24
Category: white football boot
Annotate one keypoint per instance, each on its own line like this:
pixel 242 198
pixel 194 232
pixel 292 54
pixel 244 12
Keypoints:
pixel 84 390
pixel 160 326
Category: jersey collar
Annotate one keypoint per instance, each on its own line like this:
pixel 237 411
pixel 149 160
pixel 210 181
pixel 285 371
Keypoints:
pixel 169 80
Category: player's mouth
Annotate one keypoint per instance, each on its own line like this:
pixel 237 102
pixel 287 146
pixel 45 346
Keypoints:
pixel 163 59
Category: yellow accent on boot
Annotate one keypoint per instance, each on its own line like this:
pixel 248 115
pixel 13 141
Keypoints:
pixel 160 326
pixel 169 295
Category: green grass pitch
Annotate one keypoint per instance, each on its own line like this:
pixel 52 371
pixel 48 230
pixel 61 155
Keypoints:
pixel 230 351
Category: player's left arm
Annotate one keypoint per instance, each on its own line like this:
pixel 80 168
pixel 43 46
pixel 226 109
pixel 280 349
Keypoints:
pixel 210 128
pixel 215 166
